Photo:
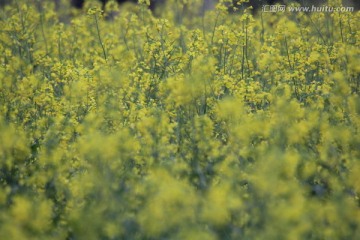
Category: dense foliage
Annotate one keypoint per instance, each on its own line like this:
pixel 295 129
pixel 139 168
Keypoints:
pixel 121 125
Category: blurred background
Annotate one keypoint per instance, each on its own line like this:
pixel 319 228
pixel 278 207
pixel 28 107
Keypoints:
pixel 209 4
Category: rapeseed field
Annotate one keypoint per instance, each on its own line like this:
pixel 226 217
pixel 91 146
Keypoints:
pixel 120 123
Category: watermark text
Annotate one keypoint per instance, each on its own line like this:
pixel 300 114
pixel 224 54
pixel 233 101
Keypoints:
pixel 313 8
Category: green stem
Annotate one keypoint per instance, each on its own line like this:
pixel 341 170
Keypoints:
pixel 101 43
